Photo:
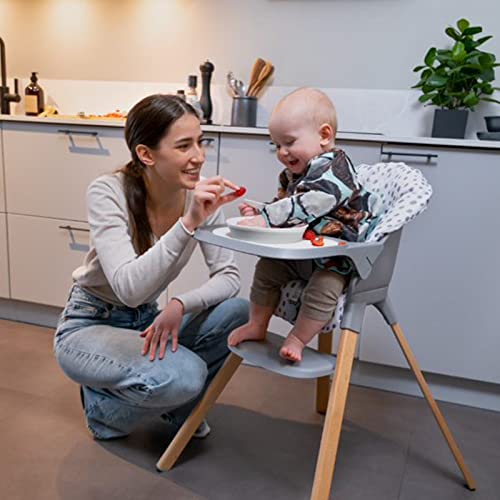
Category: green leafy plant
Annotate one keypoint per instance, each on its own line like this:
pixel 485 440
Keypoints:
pixel 461 76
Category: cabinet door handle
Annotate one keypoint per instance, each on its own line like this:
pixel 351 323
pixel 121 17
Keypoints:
pixel 71 228
pixel 78 132
pixel 390 154
pixel 208 140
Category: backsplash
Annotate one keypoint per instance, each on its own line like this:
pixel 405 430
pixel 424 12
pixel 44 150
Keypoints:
pixel 396 113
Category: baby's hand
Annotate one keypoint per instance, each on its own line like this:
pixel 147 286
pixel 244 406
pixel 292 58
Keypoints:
pixel 257 221
pixel 247 210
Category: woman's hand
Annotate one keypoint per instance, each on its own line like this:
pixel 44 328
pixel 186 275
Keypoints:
pixel 207 198
pixel 165 325
pixel 247 210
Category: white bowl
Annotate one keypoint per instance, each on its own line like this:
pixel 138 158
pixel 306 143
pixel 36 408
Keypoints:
pixel 265 234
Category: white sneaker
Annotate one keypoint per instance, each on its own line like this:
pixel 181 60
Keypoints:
pixel 203 430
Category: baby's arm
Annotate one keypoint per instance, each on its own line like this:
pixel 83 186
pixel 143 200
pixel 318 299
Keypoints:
pixel 299 208
pixel 248 210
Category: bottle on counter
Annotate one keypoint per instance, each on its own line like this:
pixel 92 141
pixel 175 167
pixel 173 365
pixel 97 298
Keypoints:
pixel 192 94
pixel 34 102
pixel 180 93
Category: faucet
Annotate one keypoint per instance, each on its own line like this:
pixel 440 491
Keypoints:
pixel 5 97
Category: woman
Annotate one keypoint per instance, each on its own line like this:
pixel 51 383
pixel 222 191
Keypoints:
pixel 111 338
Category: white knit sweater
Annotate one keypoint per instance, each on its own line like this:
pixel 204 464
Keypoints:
pixel 114 272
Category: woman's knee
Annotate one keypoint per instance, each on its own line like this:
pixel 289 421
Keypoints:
pixel 237 308
pixel 180 387
pixel 229 314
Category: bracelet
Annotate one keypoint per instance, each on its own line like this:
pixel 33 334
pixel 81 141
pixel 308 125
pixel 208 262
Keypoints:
pixel 191 233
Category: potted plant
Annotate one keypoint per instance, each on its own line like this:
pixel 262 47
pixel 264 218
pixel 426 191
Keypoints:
pixel 456 79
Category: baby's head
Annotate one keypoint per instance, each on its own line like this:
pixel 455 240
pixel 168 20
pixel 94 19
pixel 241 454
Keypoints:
pixel 303 125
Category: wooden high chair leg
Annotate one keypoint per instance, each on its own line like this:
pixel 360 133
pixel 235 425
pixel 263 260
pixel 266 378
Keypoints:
pixel 323 383
pixel 327 456
pixel 184 434
pixel 471 484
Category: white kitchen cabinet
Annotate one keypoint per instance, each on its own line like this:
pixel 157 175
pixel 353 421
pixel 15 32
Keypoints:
pixel 445 287
pixel 211 165
pixel 4 261
pixel 2 187
pixel 361 152
pixel 43 254
pixel 48 167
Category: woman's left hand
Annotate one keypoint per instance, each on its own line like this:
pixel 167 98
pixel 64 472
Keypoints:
pixel 166 325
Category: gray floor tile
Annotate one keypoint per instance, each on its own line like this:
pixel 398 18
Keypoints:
pixel 263 445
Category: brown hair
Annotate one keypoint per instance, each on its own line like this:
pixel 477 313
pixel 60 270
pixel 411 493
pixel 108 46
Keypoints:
pixel 147 123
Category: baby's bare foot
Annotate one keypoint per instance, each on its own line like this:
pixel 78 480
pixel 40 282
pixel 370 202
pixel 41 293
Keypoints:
pixel 292 348
pixel 248 331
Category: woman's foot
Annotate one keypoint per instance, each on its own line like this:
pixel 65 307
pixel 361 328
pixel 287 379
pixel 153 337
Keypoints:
pixel 292 348
pixel 249 331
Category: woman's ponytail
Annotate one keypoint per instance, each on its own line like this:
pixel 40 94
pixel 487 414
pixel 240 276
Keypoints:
pixel 147 123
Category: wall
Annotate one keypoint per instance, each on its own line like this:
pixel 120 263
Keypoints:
pixel 370 44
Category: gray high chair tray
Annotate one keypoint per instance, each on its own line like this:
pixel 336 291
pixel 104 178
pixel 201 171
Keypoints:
pixel 266 353
pixel 362 254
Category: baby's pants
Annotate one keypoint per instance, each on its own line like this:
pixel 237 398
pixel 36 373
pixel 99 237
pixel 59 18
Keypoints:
pixel 321 293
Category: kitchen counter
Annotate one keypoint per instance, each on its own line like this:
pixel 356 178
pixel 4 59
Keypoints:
pixel 227 129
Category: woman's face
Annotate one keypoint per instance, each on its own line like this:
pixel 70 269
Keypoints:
pixel 180 153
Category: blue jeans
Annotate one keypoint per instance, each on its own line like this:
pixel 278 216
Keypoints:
pixel 97 345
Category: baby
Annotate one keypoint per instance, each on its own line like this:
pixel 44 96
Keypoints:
pixel 319 188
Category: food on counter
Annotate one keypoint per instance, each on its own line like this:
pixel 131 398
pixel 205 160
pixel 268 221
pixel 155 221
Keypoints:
pixel 52 112
pixel 48 111
pixel 121 115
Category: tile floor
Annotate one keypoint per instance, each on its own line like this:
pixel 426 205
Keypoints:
pixel 264 441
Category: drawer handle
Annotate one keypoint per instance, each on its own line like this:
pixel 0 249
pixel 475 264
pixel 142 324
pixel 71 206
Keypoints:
pixel 78 132
pixel 390 154
pixel 71 228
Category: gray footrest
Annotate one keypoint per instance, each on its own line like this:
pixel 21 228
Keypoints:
pixel 266 355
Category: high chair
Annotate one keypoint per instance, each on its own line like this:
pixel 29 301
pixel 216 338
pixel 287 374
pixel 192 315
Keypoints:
pixel 404 193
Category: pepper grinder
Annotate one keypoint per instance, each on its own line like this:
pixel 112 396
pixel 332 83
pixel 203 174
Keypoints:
pixel 207 68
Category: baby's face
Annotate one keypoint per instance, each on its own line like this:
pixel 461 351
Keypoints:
pixel 297 140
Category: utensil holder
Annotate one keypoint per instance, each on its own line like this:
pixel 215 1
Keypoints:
pixel 244 111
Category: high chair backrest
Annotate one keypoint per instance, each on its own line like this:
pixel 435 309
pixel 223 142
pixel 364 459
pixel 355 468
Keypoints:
pixel 402 194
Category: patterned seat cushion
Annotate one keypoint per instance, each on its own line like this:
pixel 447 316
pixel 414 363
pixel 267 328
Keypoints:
pixel 403 192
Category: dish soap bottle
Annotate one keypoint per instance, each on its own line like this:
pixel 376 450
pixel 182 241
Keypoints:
pixel 192 95
pixel 33 97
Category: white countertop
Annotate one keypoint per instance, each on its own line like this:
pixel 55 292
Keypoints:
pixel 227 129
